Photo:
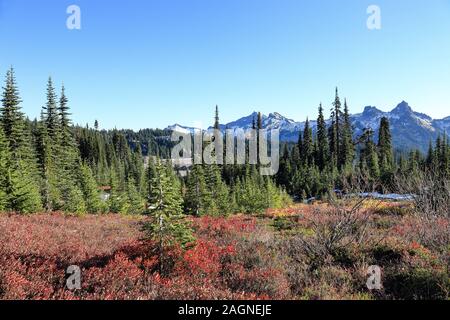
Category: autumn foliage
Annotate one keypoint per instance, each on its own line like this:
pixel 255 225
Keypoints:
pixel 239 257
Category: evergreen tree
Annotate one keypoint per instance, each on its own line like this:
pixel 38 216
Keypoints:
pixel 259 126
pixel 23 194
pixel 216 119
pixel 221 195
pixel 57 155
pixel 68 161
pixel 51 114
pixel 4 170
pixel 20 184
pixel 347 150
pixel 431 158
pixel 137 170
pixel 64 115
pixel 385 152
pixel 322 140
pixel 198 198
pixel 45 164
pixel 117 201
pixel 285 171
pixel 307 147
pixel 252 197
pixel 135 203
pixel 167 226
pixel 11 116
pixel 90 190
pixel 217 194
pixel 369 164
pixel 335 131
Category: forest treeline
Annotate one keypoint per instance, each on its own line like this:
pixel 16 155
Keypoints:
pixel 49 164
pixel 331 159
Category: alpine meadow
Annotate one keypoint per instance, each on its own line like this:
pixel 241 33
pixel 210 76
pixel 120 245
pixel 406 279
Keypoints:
pixel 102 199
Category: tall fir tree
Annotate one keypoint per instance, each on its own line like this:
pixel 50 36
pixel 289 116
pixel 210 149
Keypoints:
pixel 322 140
pixel 45 163
pixel 51 115
pixel 135 203
pixel 307 146
pixel 347 149
pixel 198 198
pixel 385 152
pixel 90 190
pixel 369 164
pixel 4 171
pixel 12 118
pixel 68 161
pixel 21 186
pixel 335 130
pixel 216 119
pixel 117 201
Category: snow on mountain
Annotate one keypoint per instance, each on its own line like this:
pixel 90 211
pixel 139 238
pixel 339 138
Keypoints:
pixel 409 129
pixel 443 124
pixel 181 129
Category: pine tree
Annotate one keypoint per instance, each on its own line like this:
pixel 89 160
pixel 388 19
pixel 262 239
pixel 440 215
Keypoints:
pixel 52 120
pixel 259 126
pixel 284 174
pixel 135 201
pixel 90 190
pixel 198 198
pixel 307 148
pixel 23 194
pixel 221 195
pixel 369 163
pixel 216 119
pixel 385 152
pixel 117 201
pixel 347 150
pixel 253 194
pixel 210 195
pixel 45 164
pixel 67 160
pixel 322 140
pixel 20 183
pixel 11 115
pixel 335 131
pixel 167 226
pixel 64 115
pixel 69 149
pixel 431 159
pixel 414 159
pixel 4 170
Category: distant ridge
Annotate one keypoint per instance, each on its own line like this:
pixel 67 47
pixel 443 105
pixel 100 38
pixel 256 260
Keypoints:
pixel 410 129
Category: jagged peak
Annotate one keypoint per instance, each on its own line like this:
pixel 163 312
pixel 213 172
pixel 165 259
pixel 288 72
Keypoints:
pixel 402 107
pixel 371 110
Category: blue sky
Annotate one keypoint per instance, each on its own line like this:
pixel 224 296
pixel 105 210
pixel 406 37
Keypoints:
pixel 151 63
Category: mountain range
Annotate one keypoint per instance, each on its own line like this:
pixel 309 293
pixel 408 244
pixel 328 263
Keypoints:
pixel 410 129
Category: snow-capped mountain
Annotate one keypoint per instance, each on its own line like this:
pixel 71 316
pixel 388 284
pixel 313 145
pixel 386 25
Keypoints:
pixel 410 129
pixel 442 124
pixel 181 129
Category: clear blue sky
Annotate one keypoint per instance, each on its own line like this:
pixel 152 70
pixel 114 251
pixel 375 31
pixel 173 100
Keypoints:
pixel 151 63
